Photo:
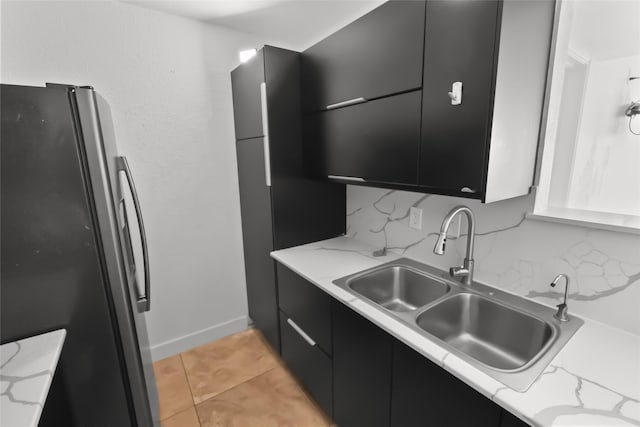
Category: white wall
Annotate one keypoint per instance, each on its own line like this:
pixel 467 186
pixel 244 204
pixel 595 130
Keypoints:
pixel 168 84
pixel 590 156
pixel 512 252
pixel 605 172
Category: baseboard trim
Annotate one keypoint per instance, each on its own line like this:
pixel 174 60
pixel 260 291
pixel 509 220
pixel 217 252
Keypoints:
pixel 195 339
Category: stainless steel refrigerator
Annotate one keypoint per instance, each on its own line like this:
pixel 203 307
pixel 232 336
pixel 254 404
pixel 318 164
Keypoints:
pixel 74 254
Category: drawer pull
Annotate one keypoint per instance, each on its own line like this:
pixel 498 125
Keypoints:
pixel 347 178
pixel 346 103
pixel 302 333
pixel 467 190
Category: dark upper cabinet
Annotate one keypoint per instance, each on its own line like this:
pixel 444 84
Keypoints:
pixel 247 105
pixel 377 55
pixel 484 147
pixel 423 392
pixel 362 355
pixel 377 141
pixel 459 46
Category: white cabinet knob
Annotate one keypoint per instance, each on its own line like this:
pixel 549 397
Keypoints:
pixel 456 93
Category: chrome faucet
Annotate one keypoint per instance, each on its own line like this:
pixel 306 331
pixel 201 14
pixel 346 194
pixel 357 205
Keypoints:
pixel 561 314
pixel 466 271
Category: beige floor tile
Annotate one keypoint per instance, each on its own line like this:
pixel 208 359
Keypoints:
pixel 216 367
pixel 188 418
pixel 173 388
pixel 272 399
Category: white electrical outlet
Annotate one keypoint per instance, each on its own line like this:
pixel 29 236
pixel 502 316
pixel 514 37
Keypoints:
pixel 415 218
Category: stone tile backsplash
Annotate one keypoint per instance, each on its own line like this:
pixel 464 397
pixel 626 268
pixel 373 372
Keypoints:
pixel 512 252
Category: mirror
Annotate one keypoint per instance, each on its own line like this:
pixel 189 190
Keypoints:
pixel 590 164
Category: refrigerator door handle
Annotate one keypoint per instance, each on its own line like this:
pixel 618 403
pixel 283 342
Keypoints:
pixel 144 301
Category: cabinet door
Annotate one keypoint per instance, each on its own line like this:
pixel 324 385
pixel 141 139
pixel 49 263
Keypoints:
pixel 377 55
pixel 424 393
pixel 510 420
pixel 247 105
pixel 377 141
pixel 361 370
pixel 308 363
pixel 460 40
pixel 257 238
pixel 309 306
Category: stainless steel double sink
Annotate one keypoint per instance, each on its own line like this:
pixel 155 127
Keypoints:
pixel 508 337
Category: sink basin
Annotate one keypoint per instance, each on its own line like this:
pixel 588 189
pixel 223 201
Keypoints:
pixel 398 288
pixel 507 337
pixel 489 332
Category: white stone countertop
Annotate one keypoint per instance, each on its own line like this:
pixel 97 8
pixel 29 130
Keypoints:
pixel 594 380
pixel 26 370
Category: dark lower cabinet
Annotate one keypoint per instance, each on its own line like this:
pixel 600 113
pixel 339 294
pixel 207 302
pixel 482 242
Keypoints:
pixel 361 370
pixel 425 394
pixel 368 378
pixel 307 361
pixel 305 333
pixel 510 420
pixel 308 305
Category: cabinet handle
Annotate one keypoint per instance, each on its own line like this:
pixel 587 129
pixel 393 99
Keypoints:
pixel 265 132
pixel 456 93
pixel 300 332
pixel 346 103
pixel 467 190
pixel 347 178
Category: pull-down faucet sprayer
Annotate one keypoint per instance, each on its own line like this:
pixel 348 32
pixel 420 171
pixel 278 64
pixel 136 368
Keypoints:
pixel 466 271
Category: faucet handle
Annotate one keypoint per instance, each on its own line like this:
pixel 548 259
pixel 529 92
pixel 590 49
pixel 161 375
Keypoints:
pixel 458 271
pixel 561 314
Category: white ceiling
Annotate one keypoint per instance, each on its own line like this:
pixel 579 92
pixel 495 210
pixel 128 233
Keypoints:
pixel 602 29
pixel 294 22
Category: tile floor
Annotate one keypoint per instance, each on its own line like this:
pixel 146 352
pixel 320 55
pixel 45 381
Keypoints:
pixel 236 381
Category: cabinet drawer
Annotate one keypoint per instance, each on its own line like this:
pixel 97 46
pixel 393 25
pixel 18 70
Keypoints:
pixel 307 361
pixel 307 305
pixel 378 140
pixel 377 55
